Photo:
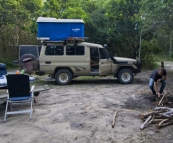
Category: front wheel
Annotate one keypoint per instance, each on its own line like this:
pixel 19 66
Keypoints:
pixel 63 77
pixel 125 76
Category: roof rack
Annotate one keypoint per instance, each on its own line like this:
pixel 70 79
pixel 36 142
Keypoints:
pixel 82 39
pixel 74 40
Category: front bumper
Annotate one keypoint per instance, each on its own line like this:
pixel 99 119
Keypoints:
pixel 138 64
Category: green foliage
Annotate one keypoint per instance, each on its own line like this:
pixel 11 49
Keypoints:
pixel 8 63
pixel 148 50
pixel 171 55
pixel 162 58
pixel 71 9
pixel 114 24
pixel 16 19
pixel 75 13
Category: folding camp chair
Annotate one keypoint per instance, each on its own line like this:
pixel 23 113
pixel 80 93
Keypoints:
pixel 19 92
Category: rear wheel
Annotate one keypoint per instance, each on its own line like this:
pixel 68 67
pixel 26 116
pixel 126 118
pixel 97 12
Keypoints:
pixel 63 77
pixel 125 76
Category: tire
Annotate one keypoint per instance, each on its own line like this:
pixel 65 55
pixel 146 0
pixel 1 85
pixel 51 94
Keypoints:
pixel 63 77
pixel 125 76
pixel 34 63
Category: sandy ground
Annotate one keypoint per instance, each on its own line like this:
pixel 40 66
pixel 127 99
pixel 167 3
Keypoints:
pixel 82 113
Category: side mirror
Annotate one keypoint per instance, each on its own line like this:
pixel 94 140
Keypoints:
pixel 105 45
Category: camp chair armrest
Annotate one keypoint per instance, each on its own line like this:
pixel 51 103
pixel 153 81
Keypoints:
pixel 32 88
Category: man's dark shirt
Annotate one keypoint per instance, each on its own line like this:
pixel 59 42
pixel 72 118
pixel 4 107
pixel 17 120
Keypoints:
pixel 155 76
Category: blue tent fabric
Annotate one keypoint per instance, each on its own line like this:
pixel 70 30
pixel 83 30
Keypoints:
pixel 60 30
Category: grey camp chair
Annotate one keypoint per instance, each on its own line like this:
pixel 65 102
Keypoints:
pixel 19 92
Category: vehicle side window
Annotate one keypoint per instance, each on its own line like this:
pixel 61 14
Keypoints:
pixel 70 50
pixel 54 50
pixel 49 50
pixel 103 53
pixel 59 50
pixel 80 50
pixel 29 49
pixel 75 50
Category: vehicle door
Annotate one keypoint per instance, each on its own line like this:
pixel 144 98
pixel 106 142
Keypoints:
pixel 105 62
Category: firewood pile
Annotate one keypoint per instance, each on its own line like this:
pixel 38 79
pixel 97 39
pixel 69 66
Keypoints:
pixel 161 115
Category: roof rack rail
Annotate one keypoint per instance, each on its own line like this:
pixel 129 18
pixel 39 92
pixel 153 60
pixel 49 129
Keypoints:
pixel 77 38
pixel 74 40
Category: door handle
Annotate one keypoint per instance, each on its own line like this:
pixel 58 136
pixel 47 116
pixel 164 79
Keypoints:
pixel 47 62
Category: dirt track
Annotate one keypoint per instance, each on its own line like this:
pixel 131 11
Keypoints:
pixel 82 112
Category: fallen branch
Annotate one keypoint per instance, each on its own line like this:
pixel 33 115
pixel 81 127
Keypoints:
pixel 144 115
pixel 165 124
pixel 168 112
pixel 152 119
pixel 164 95
pixel 145 123
pixel 163 108
pixel 158 117
pixel 156 121
pixel 165 120
pixel 113 123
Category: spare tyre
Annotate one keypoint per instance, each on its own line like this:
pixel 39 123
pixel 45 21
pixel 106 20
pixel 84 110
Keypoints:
pixel 29 63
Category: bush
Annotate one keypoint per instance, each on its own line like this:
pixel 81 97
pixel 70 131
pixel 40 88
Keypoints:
pixel 8 63
pixel 149 62
pixel 171 55
pixel 148 50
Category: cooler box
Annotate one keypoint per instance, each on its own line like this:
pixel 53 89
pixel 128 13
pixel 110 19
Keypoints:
pixel 59 29
pixel 3 70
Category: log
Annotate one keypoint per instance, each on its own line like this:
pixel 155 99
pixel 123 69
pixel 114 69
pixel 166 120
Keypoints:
pixel 156 121
pixel 165 120
pixel 152 119
pixel 165 124
pixel 163 108
pixel 158 117
pixel 167 114
pixel 162 99
pixel 164 95
pixel 145 123
pixel 113 122
pixel 144 115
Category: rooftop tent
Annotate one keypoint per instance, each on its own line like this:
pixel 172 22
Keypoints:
pixel 59 29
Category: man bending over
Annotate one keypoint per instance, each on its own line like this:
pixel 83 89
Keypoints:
pixel 158 75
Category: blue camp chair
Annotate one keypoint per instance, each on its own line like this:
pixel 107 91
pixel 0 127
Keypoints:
pixel 3 70
pixel 19 92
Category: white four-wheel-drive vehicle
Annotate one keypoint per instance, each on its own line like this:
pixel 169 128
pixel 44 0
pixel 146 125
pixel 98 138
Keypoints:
pixel 67 60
